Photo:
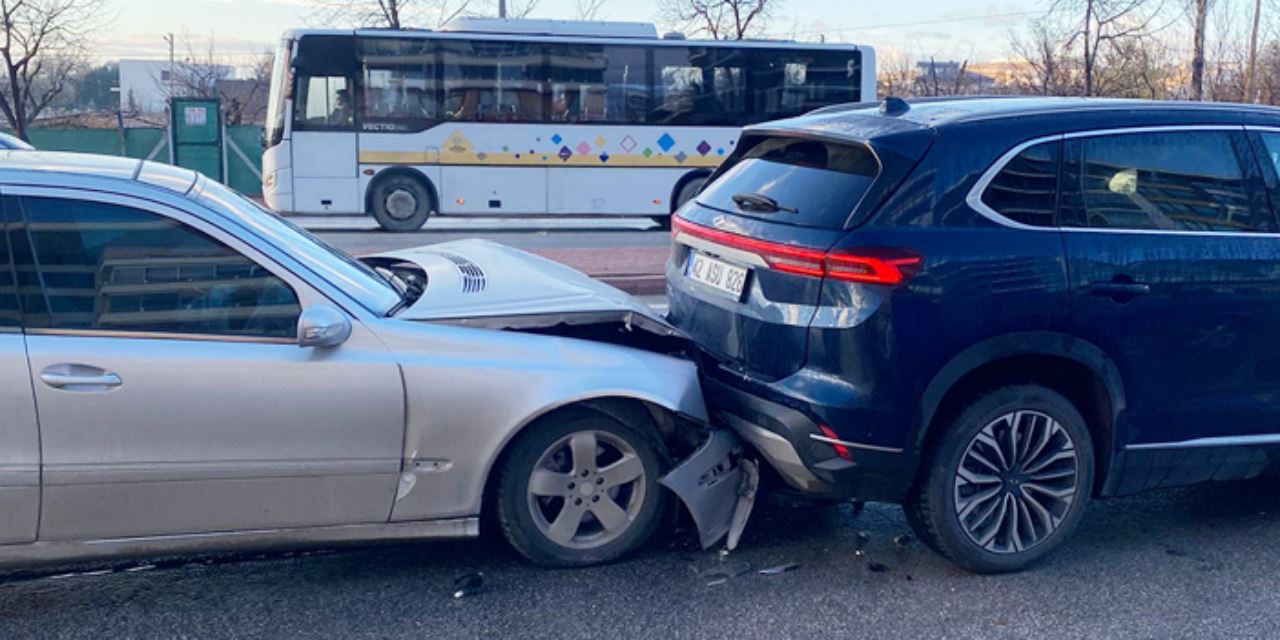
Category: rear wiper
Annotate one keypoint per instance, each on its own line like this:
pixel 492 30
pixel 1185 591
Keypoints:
pixel 758 203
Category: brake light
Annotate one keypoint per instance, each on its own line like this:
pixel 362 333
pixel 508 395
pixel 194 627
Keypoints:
pixel 841 450
pixel 868 266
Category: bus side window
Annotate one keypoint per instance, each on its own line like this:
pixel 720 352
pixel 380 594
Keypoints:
pixel 323 103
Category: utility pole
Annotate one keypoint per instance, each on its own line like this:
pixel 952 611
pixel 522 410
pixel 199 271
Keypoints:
pixel 502 8
pixel 172 67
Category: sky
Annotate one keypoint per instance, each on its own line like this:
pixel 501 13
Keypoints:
pixel 943 29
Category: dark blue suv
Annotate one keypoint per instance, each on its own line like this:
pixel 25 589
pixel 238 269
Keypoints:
pixel 992 310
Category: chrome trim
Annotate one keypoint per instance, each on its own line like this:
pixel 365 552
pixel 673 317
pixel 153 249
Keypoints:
pixel 157 335
pixel 974 198
pixel 36 553
pixel 1217 441
pixel 853 445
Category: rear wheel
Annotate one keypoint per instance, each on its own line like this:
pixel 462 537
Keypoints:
pixel 401 202
pixel 1007 482
pixel 688 191
pixel 581 489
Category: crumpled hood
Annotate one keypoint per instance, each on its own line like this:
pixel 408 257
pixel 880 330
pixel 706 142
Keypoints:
pixel 477 279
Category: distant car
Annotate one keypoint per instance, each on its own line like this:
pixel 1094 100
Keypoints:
pixel 993 310
pixel 208 376
pixel 14 142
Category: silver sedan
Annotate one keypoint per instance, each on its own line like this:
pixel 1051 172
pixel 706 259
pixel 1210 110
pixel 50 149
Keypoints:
pixel 181 371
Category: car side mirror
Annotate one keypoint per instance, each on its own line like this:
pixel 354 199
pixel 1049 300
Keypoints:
pixel 323 327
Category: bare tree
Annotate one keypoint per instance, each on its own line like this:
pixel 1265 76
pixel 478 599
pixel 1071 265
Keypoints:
pixel 896 74
pixel 44 42
pixel 719 19
pixel 204 73
pixel 589 9
pixel 1046 65
pixel 389 14
pixel 1251 69
pixel 1199 17
pixel 1099 24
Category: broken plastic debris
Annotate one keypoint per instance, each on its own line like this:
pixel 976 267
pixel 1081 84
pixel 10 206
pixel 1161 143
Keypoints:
pixel 782 568
pixel 468 585
pixel 860 541
pixel 746 501
pixel 724 571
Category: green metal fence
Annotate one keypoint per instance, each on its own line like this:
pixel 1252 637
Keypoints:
pixel 243 151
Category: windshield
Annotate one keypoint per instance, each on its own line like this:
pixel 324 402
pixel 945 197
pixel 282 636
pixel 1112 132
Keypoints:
pixel 278 93
pixel 353 277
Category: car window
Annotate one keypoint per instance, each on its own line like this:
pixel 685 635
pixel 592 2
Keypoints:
pixel 1026 188
pixel 97 266
pixel 9 318
pixel 1178 181
pixel 1272 143
pixel 813 183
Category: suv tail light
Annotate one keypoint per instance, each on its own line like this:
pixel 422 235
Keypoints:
pixel 864 265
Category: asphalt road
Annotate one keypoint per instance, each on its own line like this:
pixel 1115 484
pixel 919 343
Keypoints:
pixel 1193 563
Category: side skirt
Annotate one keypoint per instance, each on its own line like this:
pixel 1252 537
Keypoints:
pixel 50 552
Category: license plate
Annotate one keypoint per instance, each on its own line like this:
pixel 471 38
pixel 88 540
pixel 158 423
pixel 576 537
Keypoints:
pixel 717 274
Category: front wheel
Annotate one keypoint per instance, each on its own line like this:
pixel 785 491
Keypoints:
pixel 581 489
pixel 401 203
pixel 1007 482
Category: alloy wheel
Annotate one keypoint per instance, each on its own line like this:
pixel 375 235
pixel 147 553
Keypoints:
pixel 587 489
pixel 1016 481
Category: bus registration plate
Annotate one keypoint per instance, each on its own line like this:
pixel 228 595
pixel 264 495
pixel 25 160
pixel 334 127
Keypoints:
pixel 717 274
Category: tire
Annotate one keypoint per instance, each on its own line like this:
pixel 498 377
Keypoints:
pixel 687 191
pixel 401 202
pixel 1054 453
pixel 529 510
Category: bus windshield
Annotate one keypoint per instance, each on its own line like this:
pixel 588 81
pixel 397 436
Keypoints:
pixel 279 93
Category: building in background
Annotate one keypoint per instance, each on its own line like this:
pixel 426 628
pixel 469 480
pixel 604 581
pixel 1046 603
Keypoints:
pixel 145 85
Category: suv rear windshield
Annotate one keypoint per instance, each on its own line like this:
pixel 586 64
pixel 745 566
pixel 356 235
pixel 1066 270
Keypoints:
pixel 809 183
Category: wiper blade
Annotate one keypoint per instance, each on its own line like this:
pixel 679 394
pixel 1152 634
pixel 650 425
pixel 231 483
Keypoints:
pixel 759 203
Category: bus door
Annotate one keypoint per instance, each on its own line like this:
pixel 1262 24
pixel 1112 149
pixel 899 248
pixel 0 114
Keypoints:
pixel 324 135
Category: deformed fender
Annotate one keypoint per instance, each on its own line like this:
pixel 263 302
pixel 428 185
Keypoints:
pixel 712 483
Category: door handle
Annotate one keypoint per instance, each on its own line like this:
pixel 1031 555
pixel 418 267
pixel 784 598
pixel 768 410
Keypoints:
pixel 1120 290
pixel 79 377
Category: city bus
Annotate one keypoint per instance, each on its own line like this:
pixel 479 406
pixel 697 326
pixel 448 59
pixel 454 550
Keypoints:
pixel 489 117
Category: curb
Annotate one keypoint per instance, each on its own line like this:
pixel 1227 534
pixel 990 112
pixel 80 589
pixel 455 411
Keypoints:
pixel 636 285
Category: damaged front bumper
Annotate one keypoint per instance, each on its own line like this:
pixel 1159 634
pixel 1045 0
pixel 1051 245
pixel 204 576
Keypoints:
pixel 718 486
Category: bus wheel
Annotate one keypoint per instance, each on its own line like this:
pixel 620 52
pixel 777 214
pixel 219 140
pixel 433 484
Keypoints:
pixel 401 202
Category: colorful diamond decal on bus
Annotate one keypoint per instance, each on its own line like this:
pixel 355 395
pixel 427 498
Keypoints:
pixel 556 139
pixel 583 148
pixel 704 148
pixel 481 156
pixel 604 157
pixel 600 141
pixel 681 157
pixel 648 152
pixel 628 144
pixel 565 154
pixel 719 152
pixel 666 142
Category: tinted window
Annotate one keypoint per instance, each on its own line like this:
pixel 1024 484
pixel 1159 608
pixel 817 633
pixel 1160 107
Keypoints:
pixel 323 103
pixel 1183 180
pixel 400 90
pixel 813 183
pixel 597 84
pixel 789 83
pixel 700 86
pixel 492 81
pixel 1271 142
pixel 8 288
pixel 97 266
pixel 1026 189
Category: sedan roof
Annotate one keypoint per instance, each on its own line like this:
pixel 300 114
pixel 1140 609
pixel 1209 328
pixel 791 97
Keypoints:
pixel 15 163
